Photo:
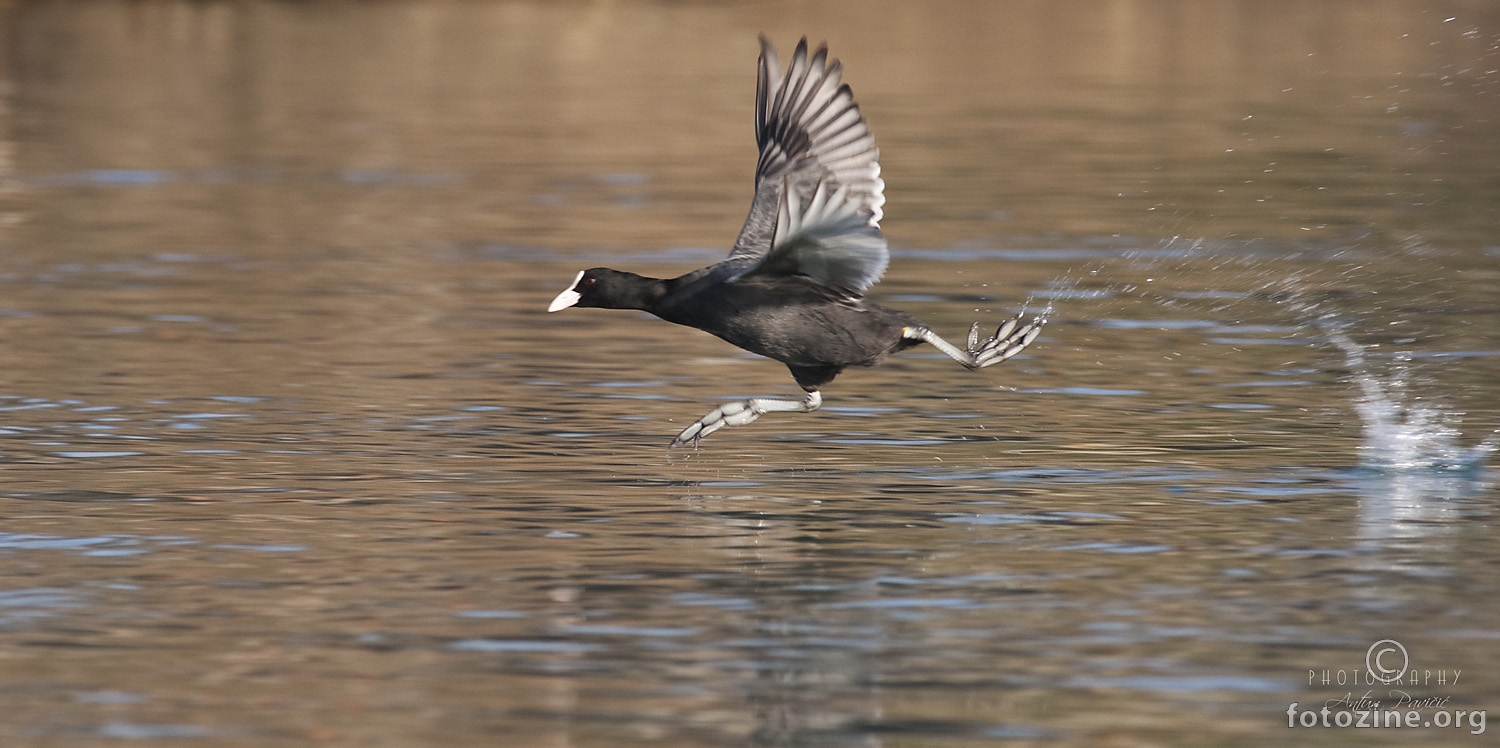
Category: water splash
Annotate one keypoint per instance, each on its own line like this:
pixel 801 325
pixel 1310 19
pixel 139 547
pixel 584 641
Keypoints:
pixel 1413 468
pixel 1402 434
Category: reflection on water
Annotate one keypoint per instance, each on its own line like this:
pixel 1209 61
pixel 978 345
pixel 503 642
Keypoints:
pixel 291 454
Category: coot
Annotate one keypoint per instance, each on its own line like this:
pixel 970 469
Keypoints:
pixel 792 289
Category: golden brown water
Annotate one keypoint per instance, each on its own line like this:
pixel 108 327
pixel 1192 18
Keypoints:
pixel 291 454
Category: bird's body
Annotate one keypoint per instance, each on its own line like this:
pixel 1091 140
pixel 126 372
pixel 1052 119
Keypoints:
pixel 790 319
pixel 792 289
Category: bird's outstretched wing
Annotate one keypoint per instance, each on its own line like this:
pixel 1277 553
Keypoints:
pixel 818 190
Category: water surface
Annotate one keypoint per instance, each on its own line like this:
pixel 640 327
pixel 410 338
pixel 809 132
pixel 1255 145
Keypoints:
pixel 291 454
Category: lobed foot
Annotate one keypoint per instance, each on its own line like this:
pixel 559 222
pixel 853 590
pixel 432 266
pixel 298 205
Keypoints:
pixel 743 412
pixel 1011 338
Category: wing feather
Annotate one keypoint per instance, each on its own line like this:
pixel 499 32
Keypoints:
pixel 818 192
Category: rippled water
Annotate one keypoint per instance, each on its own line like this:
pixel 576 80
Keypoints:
pixel 292 455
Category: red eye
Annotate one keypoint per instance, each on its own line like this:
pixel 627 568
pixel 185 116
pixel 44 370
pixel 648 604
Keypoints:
pixel 588 281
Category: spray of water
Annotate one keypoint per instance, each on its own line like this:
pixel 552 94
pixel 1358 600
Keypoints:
pixel 1402 432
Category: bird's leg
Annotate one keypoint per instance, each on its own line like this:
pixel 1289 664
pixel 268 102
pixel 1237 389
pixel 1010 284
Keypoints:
pixel 745 411
pixel 1012 337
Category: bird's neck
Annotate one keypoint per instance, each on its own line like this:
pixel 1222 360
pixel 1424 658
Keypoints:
pixel 642 293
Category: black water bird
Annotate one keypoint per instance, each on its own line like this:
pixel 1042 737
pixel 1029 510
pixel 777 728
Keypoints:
pixel 792 288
